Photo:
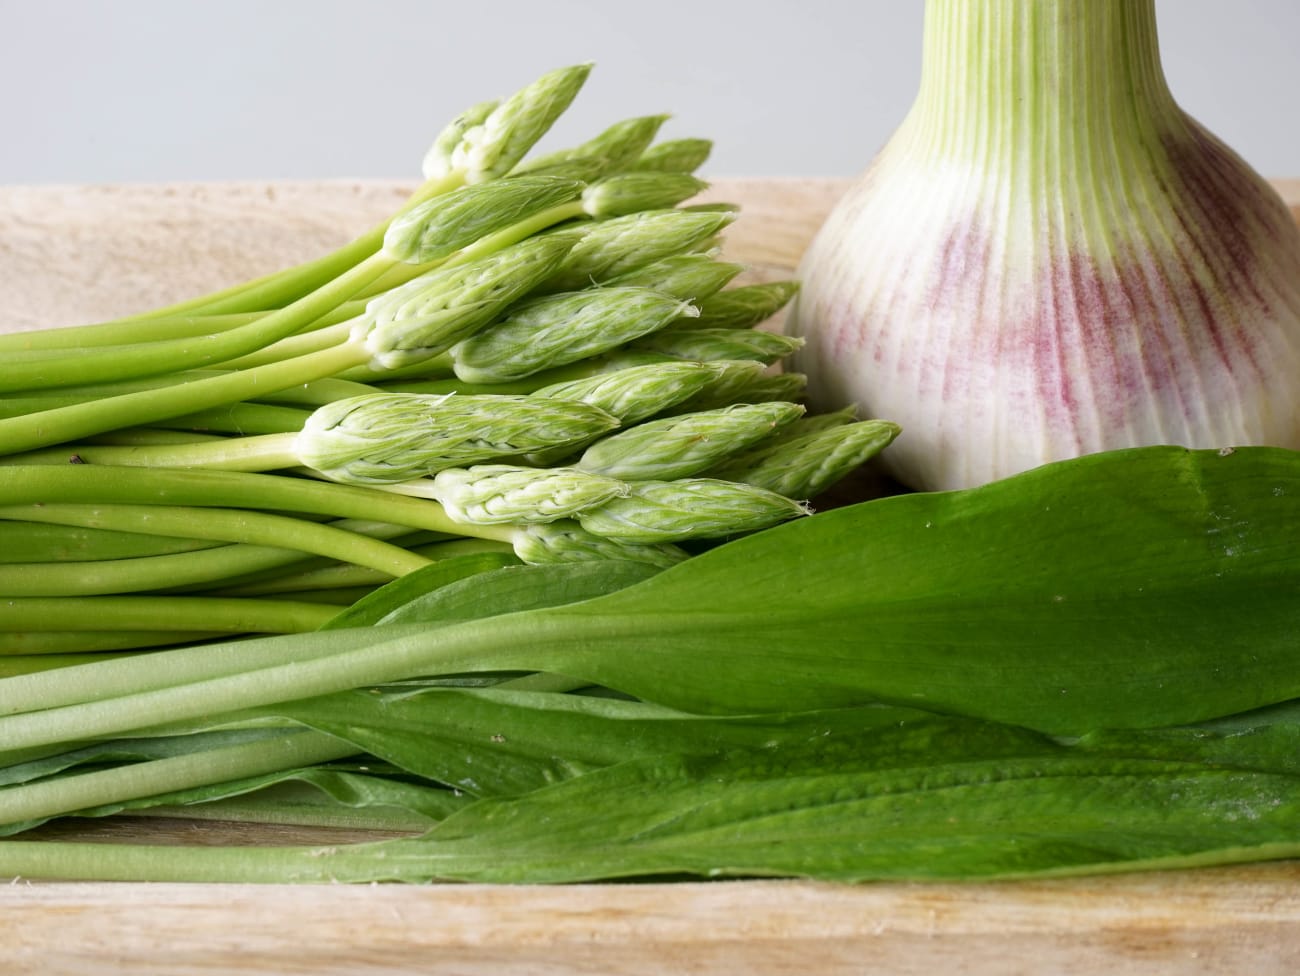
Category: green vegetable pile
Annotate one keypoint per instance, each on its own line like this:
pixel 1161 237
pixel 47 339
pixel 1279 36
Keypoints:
pixel 535 356
pixel 558 616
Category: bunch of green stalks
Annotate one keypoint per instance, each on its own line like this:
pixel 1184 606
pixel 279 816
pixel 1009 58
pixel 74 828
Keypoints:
pixel 543 358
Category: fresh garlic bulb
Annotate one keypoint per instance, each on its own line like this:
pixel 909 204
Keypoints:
pixel 1050 258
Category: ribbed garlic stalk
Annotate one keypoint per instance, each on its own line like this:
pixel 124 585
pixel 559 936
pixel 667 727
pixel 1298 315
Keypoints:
pixel 1050 258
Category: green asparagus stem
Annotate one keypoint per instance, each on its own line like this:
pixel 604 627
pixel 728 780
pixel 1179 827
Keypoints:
pixel 103 485
pixel 341 576
pixel 419 318
pixel 310 394
pixel 39 542
pixel 46 369
pixel 469 296
pixel 515 125
pixel 33 614
pixel 498 132
pixel 166 570
pixel 236 418
pixel 287 750
pixel 31 651
pixel 226 525
pixel 119 333
pixel 124 676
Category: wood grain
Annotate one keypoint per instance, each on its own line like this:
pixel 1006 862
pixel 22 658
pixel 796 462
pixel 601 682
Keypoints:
pixel 74 254
pixel 1230 922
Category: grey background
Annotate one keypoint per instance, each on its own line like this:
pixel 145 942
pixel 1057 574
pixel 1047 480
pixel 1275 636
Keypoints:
pixel 108 91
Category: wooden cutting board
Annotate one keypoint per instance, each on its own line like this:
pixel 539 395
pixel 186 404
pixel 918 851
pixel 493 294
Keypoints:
pixel 75 254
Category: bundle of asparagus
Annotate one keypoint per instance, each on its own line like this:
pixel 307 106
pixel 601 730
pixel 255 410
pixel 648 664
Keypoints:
pixel 545 358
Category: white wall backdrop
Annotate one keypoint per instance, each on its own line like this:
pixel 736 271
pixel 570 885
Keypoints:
pixel 163 90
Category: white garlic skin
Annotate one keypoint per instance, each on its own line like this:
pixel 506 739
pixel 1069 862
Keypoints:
pixel 1010 306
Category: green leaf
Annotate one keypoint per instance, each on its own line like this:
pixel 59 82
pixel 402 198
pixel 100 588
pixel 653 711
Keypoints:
pixel 390 803
pixel 1267 739
pixel 128 750
pixel 391 597
pixel 1137 588
pixel 939 800
pixel 499 742
pixel 516 588
pixel 936 799
pixel 1127 590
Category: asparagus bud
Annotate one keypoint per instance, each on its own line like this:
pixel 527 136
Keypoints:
pixel 565 541
pixel 689 508
pixel 675 156
pixel 745 307
pixel 585 169
pixel 677 447
pixel 690 277
pixel 494 147
pixel 444 224
pixel 755 385
pixel 437 162
pixel 813 423
pixel 383 438
pixel 629 193
pixel 729 378
pixel 492 494
pixel 631 393
pixel 636 392
pixel 707 344
pixel 430 314
pixel 802 467
pixel 620 244
pixel 559 329
pixel 617 148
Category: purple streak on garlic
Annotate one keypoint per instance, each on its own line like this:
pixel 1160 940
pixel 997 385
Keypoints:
pixel 1050 258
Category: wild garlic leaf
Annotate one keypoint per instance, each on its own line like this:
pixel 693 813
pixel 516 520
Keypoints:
pixel 513 588
pixel 1135 589
pixel 1266 739
pixel 373 608
pixel 98 754
pixel 499 742
pixel 942 798
pixel 929 802
pixel 1146 587
pixel 392 803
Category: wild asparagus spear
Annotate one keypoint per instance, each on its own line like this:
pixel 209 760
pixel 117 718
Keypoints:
pixel 685 444
pixel 470 295
pixel 381 438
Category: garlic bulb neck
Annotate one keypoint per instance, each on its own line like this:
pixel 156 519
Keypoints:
pixel 999 78
pixel 1050 258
